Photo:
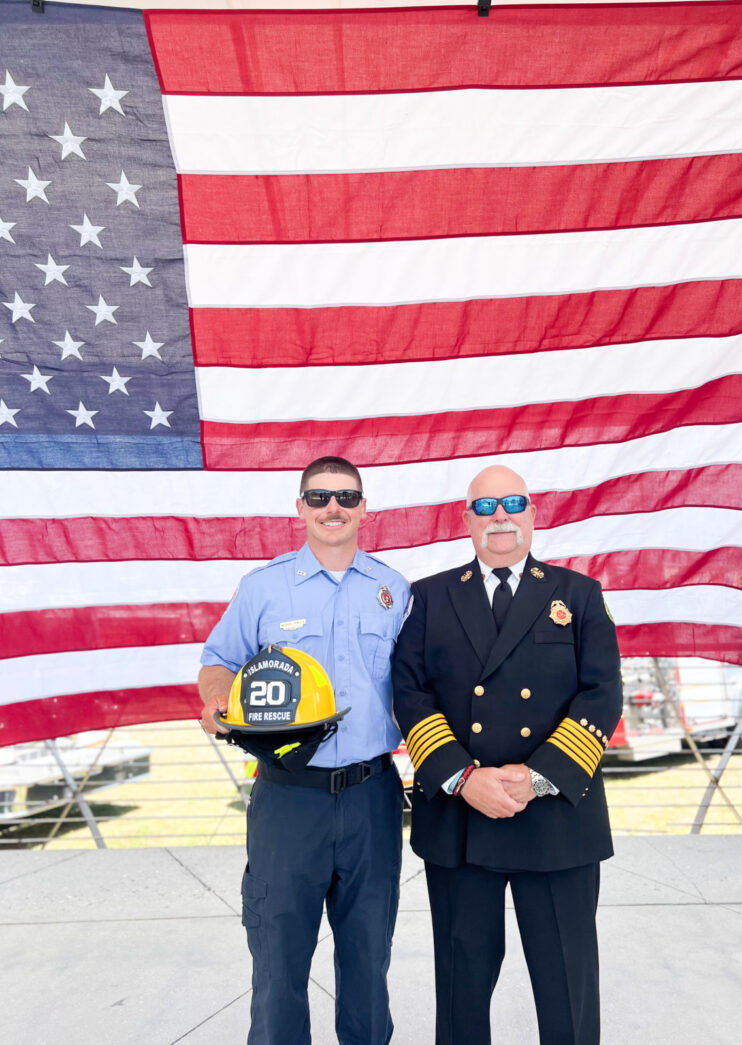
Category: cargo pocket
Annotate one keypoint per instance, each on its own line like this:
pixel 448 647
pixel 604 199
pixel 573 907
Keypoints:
pixel 254 892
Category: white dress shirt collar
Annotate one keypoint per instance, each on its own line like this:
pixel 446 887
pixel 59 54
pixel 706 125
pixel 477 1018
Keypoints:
pixel 491 580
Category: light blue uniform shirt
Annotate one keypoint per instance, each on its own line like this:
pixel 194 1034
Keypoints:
pixel 345 626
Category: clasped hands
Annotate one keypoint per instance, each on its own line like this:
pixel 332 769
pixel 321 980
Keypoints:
pixel 499 791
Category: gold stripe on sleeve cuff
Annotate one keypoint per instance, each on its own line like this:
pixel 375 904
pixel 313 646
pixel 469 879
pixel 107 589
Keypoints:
pixel 426 737
pixel 585 737
pixel 575 758
pixel 578 744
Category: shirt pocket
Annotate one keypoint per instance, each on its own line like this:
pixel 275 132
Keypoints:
pixel 556 633
pixel 303 637
pixel 376 636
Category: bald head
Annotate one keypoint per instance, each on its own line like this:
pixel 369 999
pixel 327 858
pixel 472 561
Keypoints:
pixel 501 539
pixel 495 481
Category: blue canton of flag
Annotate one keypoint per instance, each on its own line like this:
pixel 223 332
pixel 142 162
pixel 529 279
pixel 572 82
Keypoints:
pixel 96 365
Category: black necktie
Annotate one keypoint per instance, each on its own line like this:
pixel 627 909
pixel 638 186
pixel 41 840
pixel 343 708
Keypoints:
pixel 502 596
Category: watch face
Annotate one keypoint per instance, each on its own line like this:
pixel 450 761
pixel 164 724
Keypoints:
pixel 539 785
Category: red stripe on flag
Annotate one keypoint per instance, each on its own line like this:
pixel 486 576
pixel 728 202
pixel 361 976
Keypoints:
pixel 355 335
pixel 330 52
pixel 476 201
pixel 714 641
pixel 60 716
pixel 655 568
pixel 127 539
pixel 435 437
pixel 106 627
pixel 115 627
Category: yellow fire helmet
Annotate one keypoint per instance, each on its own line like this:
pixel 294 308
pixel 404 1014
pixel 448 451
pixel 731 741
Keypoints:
pixel 281 707
pixel 281 689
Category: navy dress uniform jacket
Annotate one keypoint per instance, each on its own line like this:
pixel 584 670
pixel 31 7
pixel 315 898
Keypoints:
pixel 546 691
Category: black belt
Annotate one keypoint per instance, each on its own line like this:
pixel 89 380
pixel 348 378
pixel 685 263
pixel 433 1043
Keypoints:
pixel 332 780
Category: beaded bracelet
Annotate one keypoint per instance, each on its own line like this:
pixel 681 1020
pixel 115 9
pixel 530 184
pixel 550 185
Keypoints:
pixel 466 773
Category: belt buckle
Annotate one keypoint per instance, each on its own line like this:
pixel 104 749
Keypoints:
pixel 365 772
pixel 338 780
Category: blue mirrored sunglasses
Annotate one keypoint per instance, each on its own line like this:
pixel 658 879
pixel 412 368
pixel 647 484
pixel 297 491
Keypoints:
pixel 513 503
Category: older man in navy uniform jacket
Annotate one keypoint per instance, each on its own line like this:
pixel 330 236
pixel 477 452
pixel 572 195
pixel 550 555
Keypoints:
pixel 507 687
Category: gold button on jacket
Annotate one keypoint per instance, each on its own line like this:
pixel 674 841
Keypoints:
pixel 525 693
pixel 479 691
pixel 476 727
pixel 525 732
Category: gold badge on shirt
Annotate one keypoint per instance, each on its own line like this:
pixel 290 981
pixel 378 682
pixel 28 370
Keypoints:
pixel 559 613
pixel 537 573
pixel 466 576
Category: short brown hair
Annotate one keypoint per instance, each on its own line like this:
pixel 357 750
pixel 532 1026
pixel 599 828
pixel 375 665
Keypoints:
pixel 334 465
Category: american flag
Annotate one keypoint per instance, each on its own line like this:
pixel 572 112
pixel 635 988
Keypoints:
pixel 232 241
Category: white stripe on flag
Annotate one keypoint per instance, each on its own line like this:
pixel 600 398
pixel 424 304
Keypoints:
pixel 91 671
pixel 459 128
pixel 71 494
pixel 290 394
pixel 306 275
pixel 706 603
pixel 75 584
pixel 154 581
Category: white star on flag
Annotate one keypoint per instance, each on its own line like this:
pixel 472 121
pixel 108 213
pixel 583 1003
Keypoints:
pixel 83 416
pixel 70 142
pixel 68 346
pixel 116 383
pixel 88 231
pixel 7 415
pixel 103 311
pixel 12 93
pixel 137 273
pixel 5 227
pixel 149 347
pixel 20 309
pixel 34 186
pixel 109 97
pixel 158 416
pixel 126 190
pixel 38 380
pixel 52 271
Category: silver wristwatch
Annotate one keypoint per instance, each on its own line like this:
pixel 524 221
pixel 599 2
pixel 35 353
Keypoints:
pixel 539 784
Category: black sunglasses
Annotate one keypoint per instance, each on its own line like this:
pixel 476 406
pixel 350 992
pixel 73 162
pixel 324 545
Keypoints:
pixel 321 498
pixel 513 503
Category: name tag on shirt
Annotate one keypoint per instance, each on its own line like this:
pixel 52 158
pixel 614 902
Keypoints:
pixel 292 625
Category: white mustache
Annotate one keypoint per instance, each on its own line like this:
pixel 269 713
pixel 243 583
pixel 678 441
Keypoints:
pixel 503 527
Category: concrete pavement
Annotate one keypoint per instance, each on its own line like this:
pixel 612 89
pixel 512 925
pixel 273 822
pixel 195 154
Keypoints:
pixel 145 946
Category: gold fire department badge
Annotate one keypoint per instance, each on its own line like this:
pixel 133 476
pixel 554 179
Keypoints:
pixel 559 613
pixel 537 573
pixel 466 576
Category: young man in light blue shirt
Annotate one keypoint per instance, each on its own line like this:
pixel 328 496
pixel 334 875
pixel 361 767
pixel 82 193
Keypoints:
pixel 326 837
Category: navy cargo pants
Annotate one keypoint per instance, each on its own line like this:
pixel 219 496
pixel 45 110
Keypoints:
pixel 307 847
